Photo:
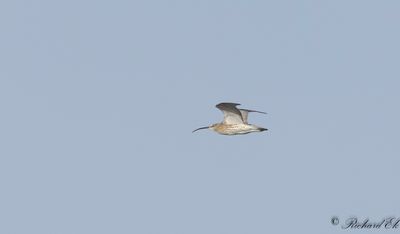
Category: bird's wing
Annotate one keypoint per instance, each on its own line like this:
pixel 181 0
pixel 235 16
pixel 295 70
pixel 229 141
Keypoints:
pixel 245 114
pixel 232 114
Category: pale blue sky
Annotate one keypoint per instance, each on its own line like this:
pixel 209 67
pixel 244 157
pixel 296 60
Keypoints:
pixel 98 100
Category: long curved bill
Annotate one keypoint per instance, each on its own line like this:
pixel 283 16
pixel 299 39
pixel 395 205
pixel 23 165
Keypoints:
pixel 200 129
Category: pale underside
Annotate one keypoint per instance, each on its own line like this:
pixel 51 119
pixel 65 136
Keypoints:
pixel 235 129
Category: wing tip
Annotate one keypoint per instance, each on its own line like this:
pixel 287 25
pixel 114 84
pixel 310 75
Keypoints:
pixel 223 104
pixel 261 112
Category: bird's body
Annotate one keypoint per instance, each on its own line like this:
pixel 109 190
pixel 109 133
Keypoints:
pixel 235 121
pixel 236 129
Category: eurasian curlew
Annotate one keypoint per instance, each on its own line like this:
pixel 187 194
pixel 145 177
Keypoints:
pixel 235 121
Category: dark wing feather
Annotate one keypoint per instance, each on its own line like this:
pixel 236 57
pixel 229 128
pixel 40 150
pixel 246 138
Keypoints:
pixel 245 113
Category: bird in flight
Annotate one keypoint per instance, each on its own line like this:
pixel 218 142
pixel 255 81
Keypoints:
pixel 235 121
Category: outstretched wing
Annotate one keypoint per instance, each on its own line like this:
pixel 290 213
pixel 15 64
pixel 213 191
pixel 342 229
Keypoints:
pixel 232 114
pixel 245 114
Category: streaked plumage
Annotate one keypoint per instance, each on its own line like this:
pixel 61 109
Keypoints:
pixel 235 121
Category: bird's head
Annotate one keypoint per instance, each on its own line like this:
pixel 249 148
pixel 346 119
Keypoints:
pixel 212 126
